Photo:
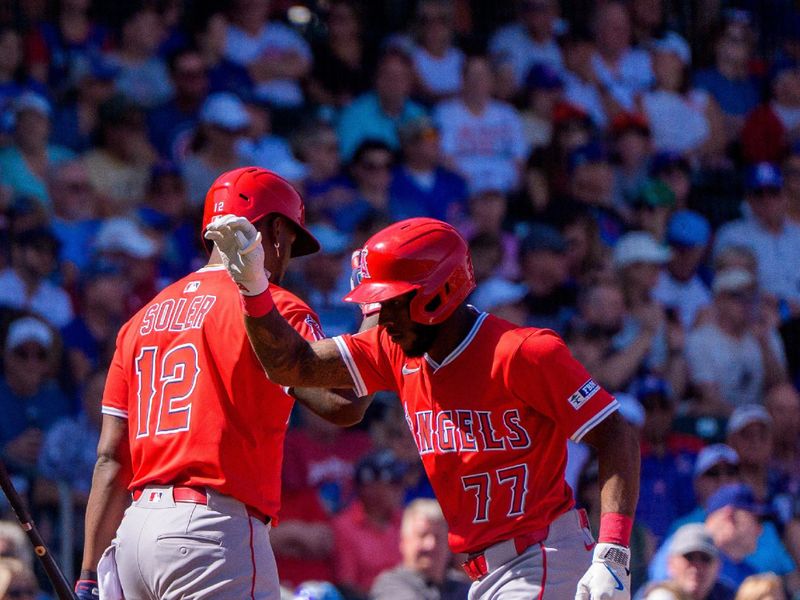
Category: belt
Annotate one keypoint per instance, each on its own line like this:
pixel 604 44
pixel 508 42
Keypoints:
pixel 198 495
pixel 477 565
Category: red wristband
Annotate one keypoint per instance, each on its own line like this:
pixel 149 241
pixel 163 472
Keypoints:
pixel 257 306
pixel 615 528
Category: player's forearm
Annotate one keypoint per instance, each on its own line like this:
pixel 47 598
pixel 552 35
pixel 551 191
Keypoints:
pixel 107 502
pixel 340 407
pixel 618 453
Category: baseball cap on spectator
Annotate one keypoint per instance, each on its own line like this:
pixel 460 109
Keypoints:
pixel 382 465
pixel 317 590
pixel 652 194
pixel 415 129
pixel 28 329
pixel 331 240
pixel 565 111
pixel 737 495
pixel 543 237
pixel 692 537
pixel 123 235
pixel 627 121
pixel 732 280
pixel 639 247
pixel 32 101
pixel 747 414
pixel 648 386
pixel 674 43
pixel 593 152
pixel 763 175
pixel 495 292
pixel 712 455
pixel 666 161
pixel 688 229
pixel 543 77
pixel 226 111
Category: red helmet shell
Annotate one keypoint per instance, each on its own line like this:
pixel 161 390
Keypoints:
pixel 422 254
pixel 254 193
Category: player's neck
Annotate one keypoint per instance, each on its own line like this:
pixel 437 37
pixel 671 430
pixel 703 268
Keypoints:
pixel 452 332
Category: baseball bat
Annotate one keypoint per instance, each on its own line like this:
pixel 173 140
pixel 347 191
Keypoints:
pixel 60 584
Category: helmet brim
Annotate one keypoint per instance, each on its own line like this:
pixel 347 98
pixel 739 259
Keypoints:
pixel 305 243
pixel 368 291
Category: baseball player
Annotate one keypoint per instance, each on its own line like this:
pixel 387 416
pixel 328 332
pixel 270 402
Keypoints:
pixel 489 404
pixel 190 413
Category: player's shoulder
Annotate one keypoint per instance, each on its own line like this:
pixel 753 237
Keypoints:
pixel 511 339
pixel 286 300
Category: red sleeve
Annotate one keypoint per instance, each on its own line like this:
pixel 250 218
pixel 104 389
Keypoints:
pixel 763 136
pixel 544 374
pixel 345 562
pixel 298 314
pixel 367 361
pixel 115 394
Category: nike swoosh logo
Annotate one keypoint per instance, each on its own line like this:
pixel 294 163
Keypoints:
pixel 407 371
pixel 619 587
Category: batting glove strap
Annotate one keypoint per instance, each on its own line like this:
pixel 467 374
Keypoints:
pixel 239 245
pixel 609 576
pixel 86 589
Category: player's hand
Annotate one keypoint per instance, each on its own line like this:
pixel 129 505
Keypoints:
pixel 356 276
pixel 609 576
pixel 239 244
pixel 86 589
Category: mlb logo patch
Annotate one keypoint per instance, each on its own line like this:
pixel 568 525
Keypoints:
pixel 154 497
pixel 192 286
pixel 584 393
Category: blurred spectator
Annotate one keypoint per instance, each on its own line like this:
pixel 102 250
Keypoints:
pixel 601 316
pixel 680 289
pixel 170 124
pixel 791 184
pixel 651 206
pixel 29 397
pixel 783 403
pixel 119 166
pixel 587 256
pixel 17 581
pixel 543 90
pixel 76 119
pixel 25 285
pixel 321 457
pixel 737 355
pixel 773 127
pixel 367 533
pixel 573 129
pixel 503 299
pixel 623 70
pixel 74 218
pixel 317 146
pixel 377 114
pixel 14 543
pixel 262 147
pixel 276 56
pixel 551 298
pixel 647 21
pixel 58 49
pixel 667 460
pixel 482 138
pixel 223 120
pixel 315 590
pixel 224 75
pixel 24 164
pixel 143 77
pixel 529 40
pixel 486 250
pixel 14 79
pixel 672 100
pixel 767 231
pixel 663 590
pixel 735 257
pixel 437 62
pixel 487 213
pixel 421 179
pixel 423 573
pixel 694 564
pixel 763 586
pixel 729 81
pixel 630 133
pixel 343 62
pixel 674 170
pixel 582 87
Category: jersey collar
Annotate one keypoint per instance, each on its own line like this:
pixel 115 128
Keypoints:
pixel 461 347
pixel 208 268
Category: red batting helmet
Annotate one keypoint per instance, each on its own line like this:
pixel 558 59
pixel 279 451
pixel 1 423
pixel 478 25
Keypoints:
pixel 254 193
pixel 421 254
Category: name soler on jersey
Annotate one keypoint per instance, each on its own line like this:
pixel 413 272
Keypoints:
pixel 180 315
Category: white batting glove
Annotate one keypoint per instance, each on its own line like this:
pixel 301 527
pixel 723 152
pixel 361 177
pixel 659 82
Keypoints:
pixel 609 576
pixel 239 244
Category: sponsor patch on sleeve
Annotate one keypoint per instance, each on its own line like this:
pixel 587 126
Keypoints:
pixel 584 393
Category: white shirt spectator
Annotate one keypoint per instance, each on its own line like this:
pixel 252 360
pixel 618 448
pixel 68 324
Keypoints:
pixel 687 297
pixel 735 366
pixel 513 44
pixel 441 75
pixel 485 148
pixel 777 255
pixel 633 75
pixel 48 301
pixel 586 96
pixel 664 109
pixel 276 38
pixel 274 153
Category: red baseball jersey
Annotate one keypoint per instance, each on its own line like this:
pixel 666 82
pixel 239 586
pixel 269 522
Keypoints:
pixel 200 409
pixel 491 422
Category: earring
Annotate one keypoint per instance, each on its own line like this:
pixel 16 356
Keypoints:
pixel 277 248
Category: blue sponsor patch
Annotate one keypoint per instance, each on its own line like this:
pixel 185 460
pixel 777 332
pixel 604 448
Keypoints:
pixel 586 391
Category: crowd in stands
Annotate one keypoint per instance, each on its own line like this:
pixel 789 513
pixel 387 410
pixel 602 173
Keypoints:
pixel 626 172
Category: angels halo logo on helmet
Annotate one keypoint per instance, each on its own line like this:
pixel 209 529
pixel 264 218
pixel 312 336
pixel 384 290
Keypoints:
pixel 423 255
pixel 254 193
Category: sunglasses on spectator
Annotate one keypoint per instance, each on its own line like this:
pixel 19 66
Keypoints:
pixel 76 187
pixel 694 557
pixel 376 165
pixel 27 354
pixel 744 297
pixel 718 471
pixel 435 19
